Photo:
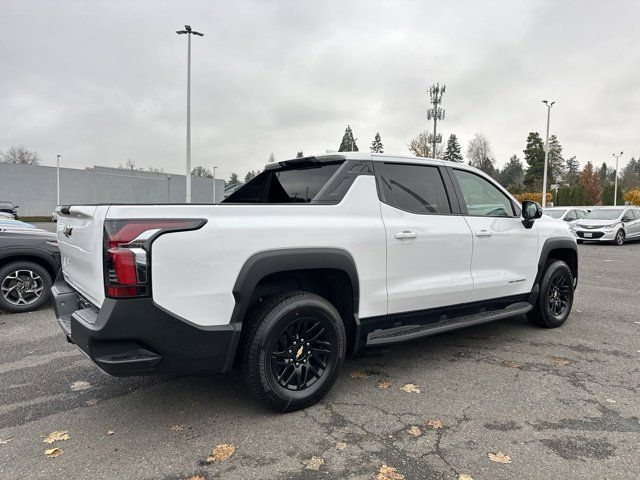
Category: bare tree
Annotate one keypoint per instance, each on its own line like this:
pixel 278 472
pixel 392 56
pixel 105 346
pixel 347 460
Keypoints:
pixel 201 172
pixel 420 146
pixel 480 154
pixel 21 156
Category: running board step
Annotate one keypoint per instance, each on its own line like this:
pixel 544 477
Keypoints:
pixel 405 333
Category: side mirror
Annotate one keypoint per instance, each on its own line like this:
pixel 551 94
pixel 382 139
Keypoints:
pixel 16 206
pixel 626 219
pixel 530 212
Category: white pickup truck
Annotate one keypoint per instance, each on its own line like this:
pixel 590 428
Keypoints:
pixel 313 259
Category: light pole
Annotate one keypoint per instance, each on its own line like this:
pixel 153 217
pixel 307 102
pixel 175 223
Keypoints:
pixel 168 188
pixel 615 182
pixel 58 180
pixel 546 154
pixel 214 184
pixel 188 31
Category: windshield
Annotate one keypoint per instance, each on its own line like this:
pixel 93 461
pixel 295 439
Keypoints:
pixel 554 213
pixel 604 214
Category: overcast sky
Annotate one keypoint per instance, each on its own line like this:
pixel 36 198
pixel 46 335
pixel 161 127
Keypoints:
pixel 102 82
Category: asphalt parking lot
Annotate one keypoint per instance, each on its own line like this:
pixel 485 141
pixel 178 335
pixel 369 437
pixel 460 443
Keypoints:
pixel 558 403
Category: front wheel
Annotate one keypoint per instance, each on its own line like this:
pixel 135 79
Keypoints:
pixel 293 350
pixel 556 296
pixel 619 240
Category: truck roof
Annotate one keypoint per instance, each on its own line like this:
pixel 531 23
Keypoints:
pixel 376 157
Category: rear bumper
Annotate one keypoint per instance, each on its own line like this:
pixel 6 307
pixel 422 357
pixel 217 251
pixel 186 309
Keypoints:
pixel 137 337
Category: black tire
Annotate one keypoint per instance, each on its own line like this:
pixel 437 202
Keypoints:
pixel 620 238
pixel 268 364
pixel 556 296
pixel 14 292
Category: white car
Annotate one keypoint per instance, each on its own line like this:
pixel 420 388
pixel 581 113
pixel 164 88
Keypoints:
pixel 314 258
pixel 569 214
pixel 609 224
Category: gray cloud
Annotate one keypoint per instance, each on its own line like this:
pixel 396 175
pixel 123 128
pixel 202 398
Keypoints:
pixel 102 82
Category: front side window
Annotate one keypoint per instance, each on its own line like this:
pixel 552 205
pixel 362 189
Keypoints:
pixel 414 188
pixel 482 197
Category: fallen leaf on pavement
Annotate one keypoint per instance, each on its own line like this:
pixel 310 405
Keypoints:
pixel 314 463
pixel 91 402
pixel 177 428
pixel 4 442
pixel 410 388
pixel 384 385
pixel 80 385
pixel 464 476
pixel 53 452
pixel 436 423
pixel 415 431
pixel 110 432
pixel 221 452
pixel 200 477
pixel 499 457
pixel 561 361
pixel 610 400
pixel 358 374
pixel 56 437
pixel 341 446
pixel 509 364
pixel 388 473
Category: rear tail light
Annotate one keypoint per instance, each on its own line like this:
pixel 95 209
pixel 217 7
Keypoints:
pixel 127 248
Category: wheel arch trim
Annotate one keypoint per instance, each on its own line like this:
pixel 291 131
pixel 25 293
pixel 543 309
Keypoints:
pixel 556 243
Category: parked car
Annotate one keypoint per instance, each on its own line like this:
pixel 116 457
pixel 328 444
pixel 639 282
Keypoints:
pixel 54 216
pixel 569 214
pixel 610 224
pixel 313 258
pixel 29 261
pixel 10 224
pixel 9 208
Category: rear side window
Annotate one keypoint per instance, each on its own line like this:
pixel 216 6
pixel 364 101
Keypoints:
pixel 414 188
pixel 636 214
pixel 288 185
pixel 482 197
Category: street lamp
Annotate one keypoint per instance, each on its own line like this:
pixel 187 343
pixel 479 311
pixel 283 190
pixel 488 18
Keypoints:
pixel 615 182
pixel 188 31
pixel 214 184
pixel 58 180
pixel 546 154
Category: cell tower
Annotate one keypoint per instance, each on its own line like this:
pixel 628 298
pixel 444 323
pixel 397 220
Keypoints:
pixel 435 113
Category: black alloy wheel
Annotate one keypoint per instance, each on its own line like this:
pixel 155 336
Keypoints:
pixel 293 347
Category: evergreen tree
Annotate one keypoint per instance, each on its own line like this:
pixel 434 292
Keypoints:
pixel 630 177
pixel 556 162
pixel 607 195
pixel 452 152
pixel 272 158
pixel 534 156
pixel 376 145
pixel 603 175
pixel 299 154
pixel 250 176
pixel 572 171
pixel 579 196
pixel 348 143
pixel 564 196
pixel 233 180
pixel 512 175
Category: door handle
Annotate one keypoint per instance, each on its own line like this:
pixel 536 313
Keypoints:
pixel 483 233
pixel 406 234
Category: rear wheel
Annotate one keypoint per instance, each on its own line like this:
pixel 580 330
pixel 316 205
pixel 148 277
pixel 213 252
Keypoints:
pixel 24 286
pixel 619 239
pixel 293 350
pixel 556 296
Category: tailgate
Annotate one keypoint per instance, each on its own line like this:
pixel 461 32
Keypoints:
pixel 80 239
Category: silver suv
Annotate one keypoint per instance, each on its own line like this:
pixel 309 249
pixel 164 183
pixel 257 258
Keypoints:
pixel 609 224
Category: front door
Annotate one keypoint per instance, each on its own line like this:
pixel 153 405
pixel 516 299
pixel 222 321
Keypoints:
pixel 505 253
pixel 428 243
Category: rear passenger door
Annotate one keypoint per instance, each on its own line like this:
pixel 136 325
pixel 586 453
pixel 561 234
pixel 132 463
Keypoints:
pixel 505 253
pixel 428 242
pixel 635 225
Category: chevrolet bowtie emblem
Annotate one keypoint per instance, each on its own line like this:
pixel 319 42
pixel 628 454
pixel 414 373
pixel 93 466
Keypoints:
pixel 299 352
